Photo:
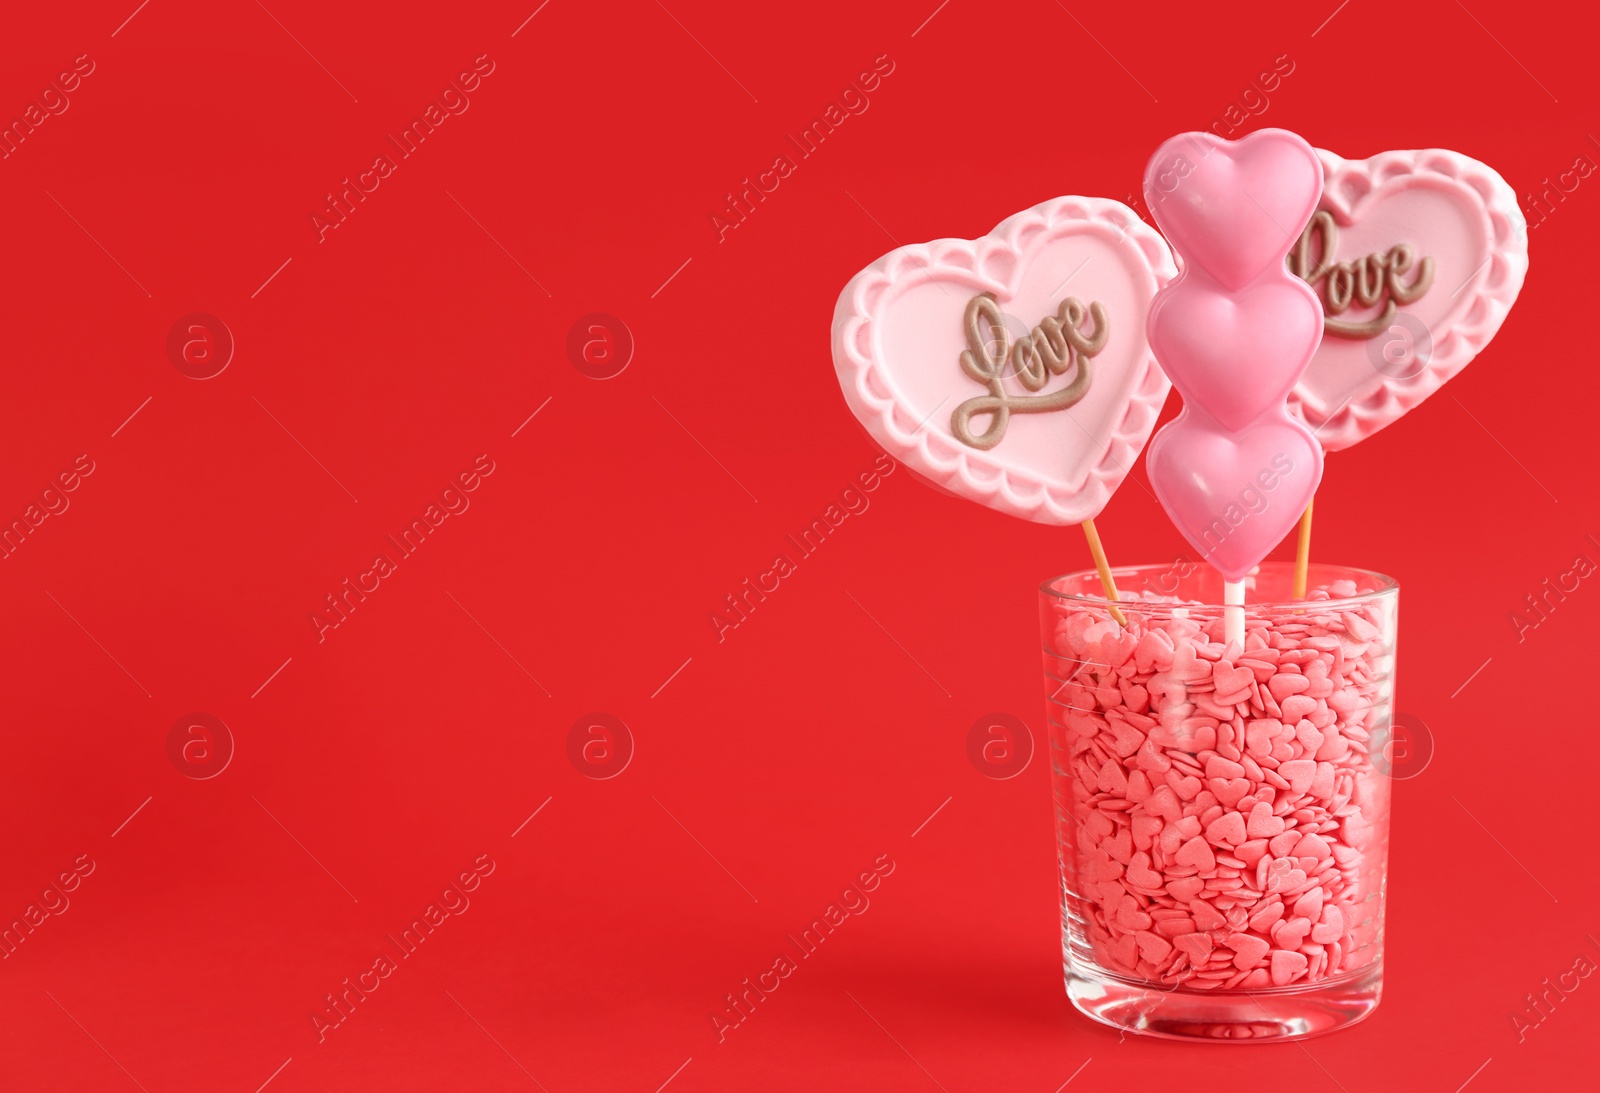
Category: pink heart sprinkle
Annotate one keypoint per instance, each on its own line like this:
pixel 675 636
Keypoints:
pixel 1230 791
pixel 1145 829
pixel 1287 967
pixel 1229 679
pixel 1196 945
pixel 1130 917
pixel 1120 846
pixel 1312 846
pixel 1164 803
pixel 1206 917
pixel 1198 853
pixel 1289 933
pixel 1226 830
pixel 1296 706
pixel 1309 906
pixel 1251 852
pixel 1218 767
pixel 1267 917
pixel 1263 824
pixel 1185 888
pixel 1140 875
pixel 1284 844
pixel 1248 950
pixel 1299 773
pixel 1153 947
pixel 1286 684
pixel 1187 788
pixel 1331 928
pixel 1128 738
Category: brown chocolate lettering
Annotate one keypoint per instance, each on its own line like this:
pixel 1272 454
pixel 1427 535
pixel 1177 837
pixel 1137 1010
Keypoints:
pixel 1366 282
pixel 1050 349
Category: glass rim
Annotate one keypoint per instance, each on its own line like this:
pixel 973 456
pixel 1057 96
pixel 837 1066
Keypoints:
pixel 1385 586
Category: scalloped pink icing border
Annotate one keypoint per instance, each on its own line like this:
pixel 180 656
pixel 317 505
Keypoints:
pixel 871 393
pixel 1454 348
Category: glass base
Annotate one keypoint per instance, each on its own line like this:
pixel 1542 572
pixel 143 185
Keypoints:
pixel 1275 1014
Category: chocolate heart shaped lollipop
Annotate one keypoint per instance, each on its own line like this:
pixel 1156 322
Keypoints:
pixel 1012 369
pixel 1416 257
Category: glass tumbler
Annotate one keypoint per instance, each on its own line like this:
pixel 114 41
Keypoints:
pixel 1222 809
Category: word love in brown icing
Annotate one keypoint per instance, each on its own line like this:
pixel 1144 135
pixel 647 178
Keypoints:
pixel 1365 281
pixel 1055 345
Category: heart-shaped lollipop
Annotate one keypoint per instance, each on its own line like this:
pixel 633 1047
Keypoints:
pixel 1232 218
pixel 1238 370
pixel 1416 257
pixel 1012 369
pixel 1235 495
pixel 1235 331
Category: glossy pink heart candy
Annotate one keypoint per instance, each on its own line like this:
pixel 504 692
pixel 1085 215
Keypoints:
pixel 1234 332
pixel 1253 487
pixel 1236 354
pixel 901 329
pixel 1233 207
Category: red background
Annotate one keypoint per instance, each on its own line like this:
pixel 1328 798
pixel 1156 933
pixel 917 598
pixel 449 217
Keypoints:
pixel 774 766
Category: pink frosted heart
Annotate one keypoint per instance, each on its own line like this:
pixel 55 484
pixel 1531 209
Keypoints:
pixel 1233 207
pixel 1235 496
pixel 1236 355
pixel 899 332
pixel 1379 359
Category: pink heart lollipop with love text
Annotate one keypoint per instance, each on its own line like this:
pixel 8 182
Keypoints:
pixel 1012 369
pixel 1417 257
pixel 1234 332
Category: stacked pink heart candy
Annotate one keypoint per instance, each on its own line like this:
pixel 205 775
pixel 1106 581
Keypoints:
pixel 1234 332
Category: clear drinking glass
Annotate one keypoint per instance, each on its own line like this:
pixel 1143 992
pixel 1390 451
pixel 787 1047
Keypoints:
pixel 1222 812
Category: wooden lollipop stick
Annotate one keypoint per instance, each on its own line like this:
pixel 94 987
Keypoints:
pixel 1104 569
pixel 1302 554
pixel 1233 612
